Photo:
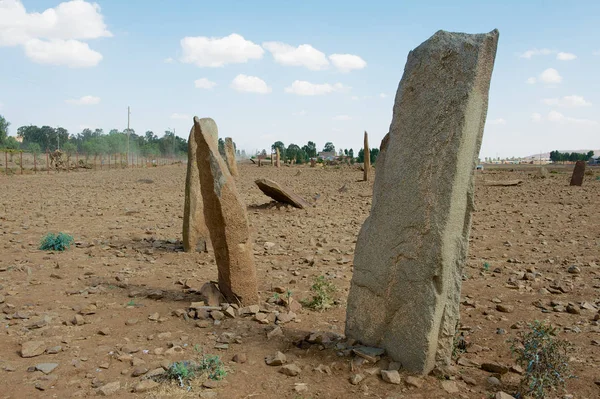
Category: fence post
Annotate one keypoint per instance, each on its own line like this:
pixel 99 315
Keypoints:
pixel 21 162
pixel 47 162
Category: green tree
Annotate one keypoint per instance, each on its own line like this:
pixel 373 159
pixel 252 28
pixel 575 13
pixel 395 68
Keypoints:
pixel 329 147
pixel 293 152
pixel 361 156
pixel 34 148
pixel 69 148
pixel 281 146
pixel 374 154
pixel 11 143
pixel 310 149
pixel 4 124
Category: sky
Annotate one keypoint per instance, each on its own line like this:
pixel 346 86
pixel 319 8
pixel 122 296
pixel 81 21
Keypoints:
pixel 292 71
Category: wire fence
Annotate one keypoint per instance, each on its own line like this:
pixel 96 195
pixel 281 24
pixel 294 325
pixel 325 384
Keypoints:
pixel 17 162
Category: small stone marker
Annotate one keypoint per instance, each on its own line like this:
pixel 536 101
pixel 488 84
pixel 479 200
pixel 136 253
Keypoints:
pixel 230 156
pixel 281 194
pixel 405 290
pixel 195 232
pixel 367 156
pixel 226 218
pixel 578 173
pixel 277 158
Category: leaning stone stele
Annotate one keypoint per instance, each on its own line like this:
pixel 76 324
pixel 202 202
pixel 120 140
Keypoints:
pixel 226 218
pixel 195 232
pixel 405 290
pixel 230 156
pixel 578 174
pixel 277 158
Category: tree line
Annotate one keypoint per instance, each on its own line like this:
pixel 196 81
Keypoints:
pixel 92 142
pixel 300 155
pixel 557 156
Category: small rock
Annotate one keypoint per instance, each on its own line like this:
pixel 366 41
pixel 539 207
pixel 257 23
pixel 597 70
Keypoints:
pixel 573 309
pixel 210 384
pixel 54 350
pixel 249 310
pixel 109 389
pixel 138 371
pixel 155 372
pixel 391 376
pixel 505 308
pixel 502 395
pixel 240 358
pixel 276 332
pixel 300 387
pixel 283 318
pixel 355 379
pixel 290 370
pixel 450 386
pixel 104 331
pixel 78 320
pixel 217 315
pixel 131 322
pixel 230 312
pixel 46 368
pixel 32 348
pixel 493 381
pixel 494 368
pixel 154 317
pixel 145 386
pixel 276 360
pixel 414 381
pixel 574 269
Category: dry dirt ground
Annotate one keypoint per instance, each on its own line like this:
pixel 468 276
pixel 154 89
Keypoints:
pixel 128 266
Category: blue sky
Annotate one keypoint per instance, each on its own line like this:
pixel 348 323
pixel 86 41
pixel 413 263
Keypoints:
pixel 81 64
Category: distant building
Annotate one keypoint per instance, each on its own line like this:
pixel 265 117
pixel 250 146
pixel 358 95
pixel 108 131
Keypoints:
pixel 19 139
pixel 327 156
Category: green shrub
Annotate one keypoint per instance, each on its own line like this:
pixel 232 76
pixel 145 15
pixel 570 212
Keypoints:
pixel 322 295
pixel 58 242
pixel 184 371
pixel 544 358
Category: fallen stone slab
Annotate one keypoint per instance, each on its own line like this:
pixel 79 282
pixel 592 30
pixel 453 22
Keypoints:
pixel 507 183
pixel 281 194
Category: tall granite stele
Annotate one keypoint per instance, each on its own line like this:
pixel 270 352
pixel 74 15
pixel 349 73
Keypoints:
pixel 226 218
pixel 410 252
pixel 230 157
pixel 195 232
pixel 277 158
pixel 367 157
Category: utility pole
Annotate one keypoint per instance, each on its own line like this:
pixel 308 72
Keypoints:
pixel 128 114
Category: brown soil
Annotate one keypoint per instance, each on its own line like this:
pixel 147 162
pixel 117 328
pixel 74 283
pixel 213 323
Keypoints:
pixel 128 232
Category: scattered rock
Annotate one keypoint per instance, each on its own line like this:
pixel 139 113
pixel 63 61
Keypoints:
pixel 494 368
pixel 276 360
pixel 240 358
pixel 502 395
pixel 145 386
pixel 414 381
pixel 109 389
pixel 46 368
pixel 32 348
pixel 450 386
pixel 281 194
pixel 355 379
pixel 291 370
pixel 391 376
pixel 505 308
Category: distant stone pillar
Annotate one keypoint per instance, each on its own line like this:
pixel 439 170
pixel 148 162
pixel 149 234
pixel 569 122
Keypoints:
pixel 272 158
pixel 277 158
pixel 367 156
pixel 195 232
pixel 405 290
pixel 313 162
pixel 226 218
pixel 230 157
pixel 259 162
pixel 578 174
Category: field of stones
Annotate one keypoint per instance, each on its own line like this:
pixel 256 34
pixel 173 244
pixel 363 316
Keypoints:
pixel 111 315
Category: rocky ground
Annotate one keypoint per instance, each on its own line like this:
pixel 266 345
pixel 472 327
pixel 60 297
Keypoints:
pixel 121 305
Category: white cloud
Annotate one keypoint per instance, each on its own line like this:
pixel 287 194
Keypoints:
pixel 204 83
pixel 557 117
pixel 342 118
pixel 565 56
pixel 347 62
pixel 216 52
pixel 383 95
pixel 180 116
pixel 250 84
pixel 596 52
pixel 304 55
pixel 304 88
pixel 85 100
pixel 301 113
pixel 531 81
pixel 54 35
pixel 530 53
pixel 168 60
pixel 70 53
pixel 550 75
pixel 355 98
pixel 568 101
pixel 498 121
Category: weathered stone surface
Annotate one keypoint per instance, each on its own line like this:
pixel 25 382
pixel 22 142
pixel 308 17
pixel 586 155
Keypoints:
pixel 230 157
pixel 195 232
pixel 578 173
pixel 277 158
pixel 391 376
pixel 281 194
pixel 227 221
pixel 405 289
pixel 32 348
pixel 367 156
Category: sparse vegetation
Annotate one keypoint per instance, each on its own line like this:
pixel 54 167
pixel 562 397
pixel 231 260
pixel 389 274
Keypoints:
pixel 544 358
pixel 184 371
pixel 486 266
pixel 58 242
pixel 322 295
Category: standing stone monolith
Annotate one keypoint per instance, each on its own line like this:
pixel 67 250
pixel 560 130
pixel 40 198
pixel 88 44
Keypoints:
pixel 578 174
pixel 195 232
pixel 367 156
pixel 405 290
pixel 226 219
pixel 230 157
pixel 277 158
